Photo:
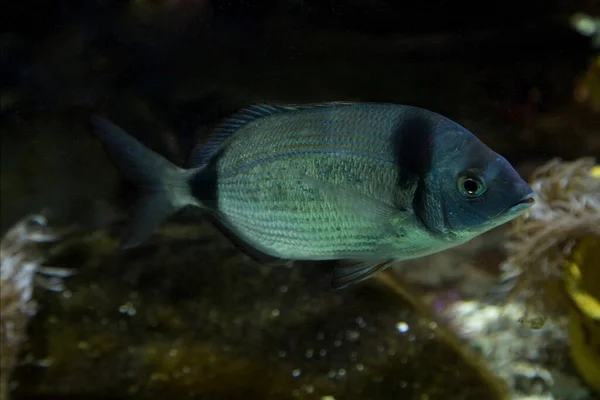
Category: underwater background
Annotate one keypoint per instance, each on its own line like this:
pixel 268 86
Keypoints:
pixel 186 314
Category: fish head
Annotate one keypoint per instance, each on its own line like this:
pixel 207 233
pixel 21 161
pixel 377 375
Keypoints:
pixel 470 188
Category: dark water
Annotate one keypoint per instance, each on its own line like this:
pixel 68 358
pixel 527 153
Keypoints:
pixel 209 323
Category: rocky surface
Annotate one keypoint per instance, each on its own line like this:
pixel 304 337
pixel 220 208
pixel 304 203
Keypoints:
pixel 187 316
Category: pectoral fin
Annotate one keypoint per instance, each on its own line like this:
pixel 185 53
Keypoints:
pixel 347 275
pixel 364 205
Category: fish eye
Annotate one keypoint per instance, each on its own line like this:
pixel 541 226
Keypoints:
pixel 471 186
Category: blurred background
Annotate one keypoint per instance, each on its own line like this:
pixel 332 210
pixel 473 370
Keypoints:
pixel 523 75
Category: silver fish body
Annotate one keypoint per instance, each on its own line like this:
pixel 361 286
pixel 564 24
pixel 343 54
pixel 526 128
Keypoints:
pixel 265 193
pixel 348 181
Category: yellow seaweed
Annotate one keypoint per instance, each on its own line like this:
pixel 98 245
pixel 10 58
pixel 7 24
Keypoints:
pixel 582 282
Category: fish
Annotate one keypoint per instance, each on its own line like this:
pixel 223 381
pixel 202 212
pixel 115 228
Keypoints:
pixel 365 184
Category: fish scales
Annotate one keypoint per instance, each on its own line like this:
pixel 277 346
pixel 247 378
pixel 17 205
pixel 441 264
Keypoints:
pixel 324 145
pixel 294 136
pixel 294 216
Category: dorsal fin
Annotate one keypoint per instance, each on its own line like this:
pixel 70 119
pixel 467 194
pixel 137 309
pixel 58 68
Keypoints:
pixel 203 152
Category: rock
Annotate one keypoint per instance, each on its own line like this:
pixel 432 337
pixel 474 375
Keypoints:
pixel 187 316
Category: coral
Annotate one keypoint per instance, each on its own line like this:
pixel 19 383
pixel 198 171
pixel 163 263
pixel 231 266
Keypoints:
pixel 534 363
pixel 555 249
pixel 22 251
pixel 567 209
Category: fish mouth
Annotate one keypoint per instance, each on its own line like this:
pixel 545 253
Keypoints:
pixel 529 199
pixel 523 204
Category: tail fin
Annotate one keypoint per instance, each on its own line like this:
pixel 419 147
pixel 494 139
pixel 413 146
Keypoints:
pixel 164 186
